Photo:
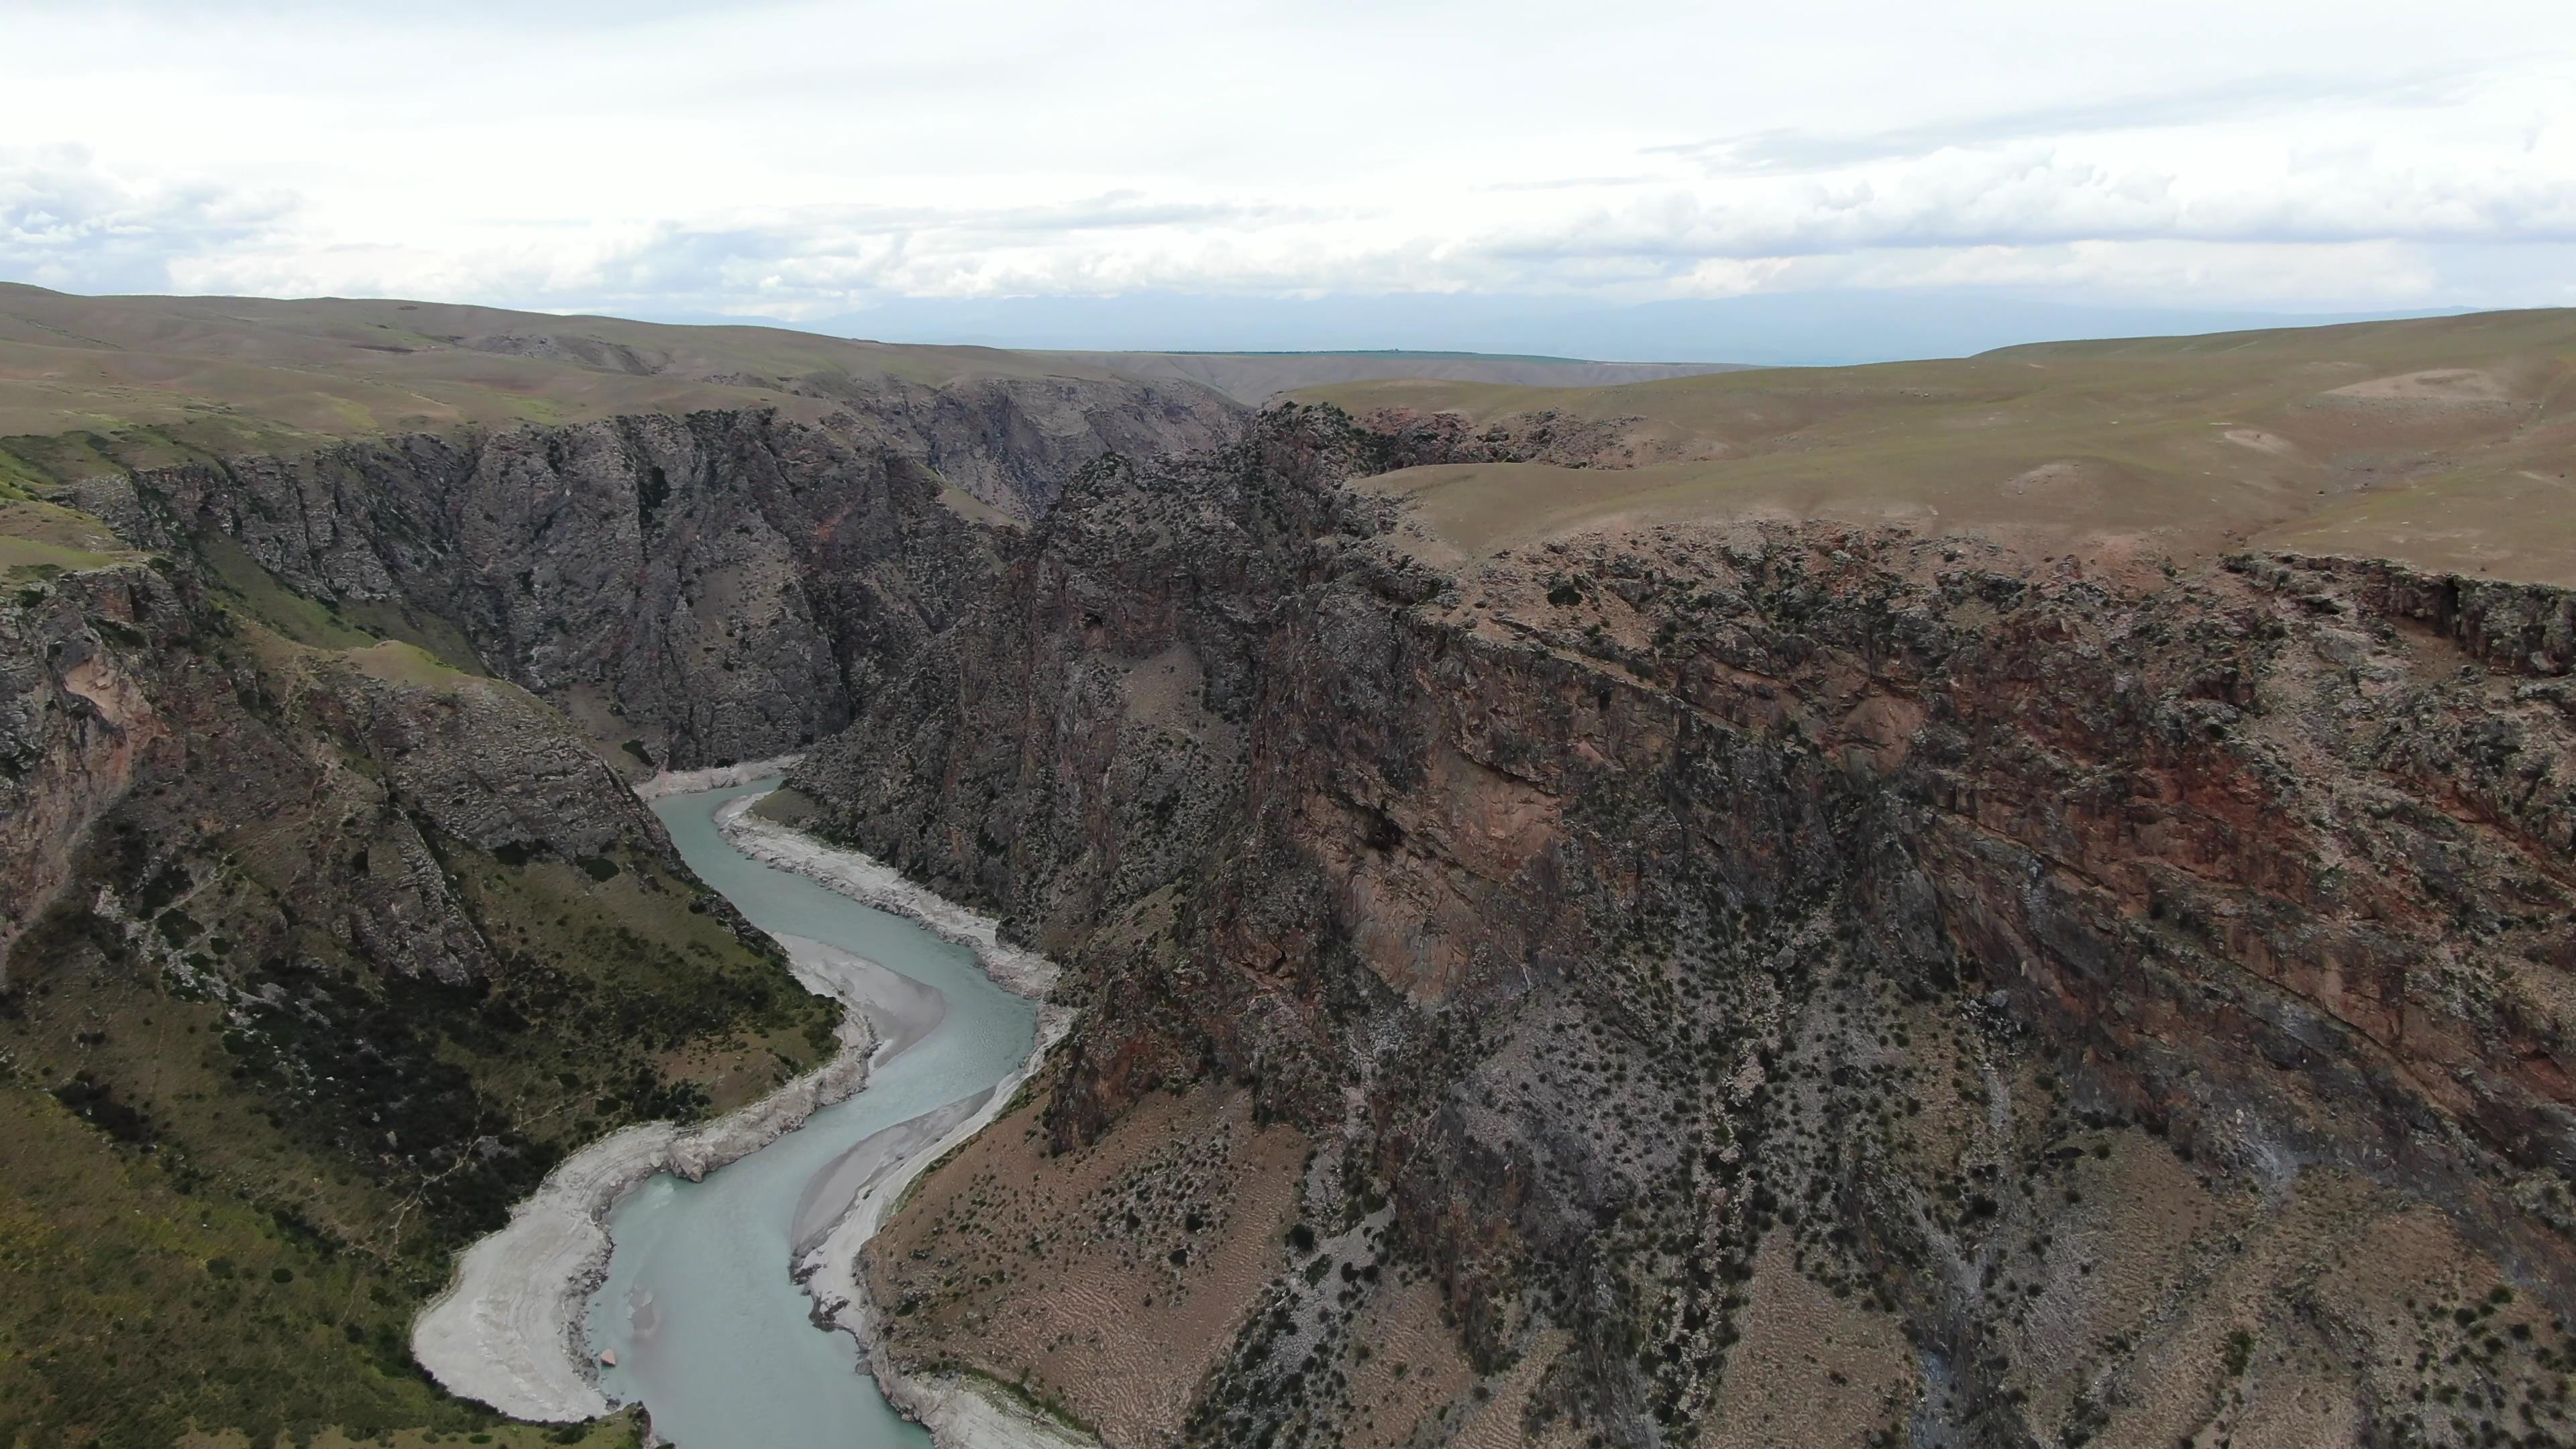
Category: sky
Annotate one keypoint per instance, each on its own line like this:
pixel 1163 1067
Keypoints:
pixel 1402 173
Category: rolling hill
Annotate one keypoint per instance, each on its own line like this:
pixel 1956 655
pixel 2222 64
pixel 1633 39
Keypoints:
pixel 2445 442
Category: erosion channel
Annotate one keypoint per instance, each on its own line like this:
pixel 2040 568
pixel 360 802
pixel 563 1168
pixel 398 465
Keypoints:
pixel 709 1330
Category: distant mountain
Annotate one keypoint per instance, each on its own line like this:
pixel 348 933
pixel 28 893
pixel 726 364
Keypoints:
pixel 1794 329
pixel 1257 377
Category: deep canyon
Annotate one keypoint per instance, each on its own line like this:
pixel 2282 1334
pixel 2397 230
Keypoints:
pixel 1569 943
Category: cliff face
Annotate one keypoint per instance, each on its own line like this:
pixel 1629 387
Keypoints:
pixel 77 726
pixel 714 587
pixel 1784 983
pixel 139 707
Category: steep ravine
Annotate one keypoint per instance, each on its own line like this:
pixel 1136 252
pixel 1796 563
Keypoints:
pixel 1742 984
pixel 324 943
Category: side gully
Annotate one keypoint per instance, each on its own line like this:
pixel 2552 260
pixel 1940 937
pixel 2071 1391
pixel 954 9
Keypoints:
pixel 509 1330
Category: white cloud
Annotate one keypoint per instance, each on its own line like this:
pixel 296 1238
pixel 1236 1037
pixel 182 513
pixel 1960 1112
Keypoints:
pixel 66 221
pixel 802 160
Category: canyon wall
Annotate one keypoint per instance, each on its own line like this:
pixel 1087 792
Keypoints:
pixel 1777 983
pixel 713 587
pixel 131 688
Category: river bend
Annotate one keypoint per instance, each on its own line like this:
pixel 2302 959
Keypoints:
pixel 709 1330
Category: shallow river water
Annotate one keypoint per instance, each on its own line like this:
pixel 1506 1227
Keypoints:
pixel 709 1330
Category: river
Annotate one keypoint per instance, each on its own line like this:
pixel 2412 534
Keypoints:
pixel 709 1331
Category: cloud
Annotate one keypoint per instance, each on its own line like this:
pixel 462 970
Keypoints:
pixel 805 160
pixel 2236 100
pixel 66 221
pixel 2328 226
pixel 2038 196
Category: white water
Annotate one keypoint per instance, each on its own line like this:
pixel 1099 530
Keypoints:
pixel 709 1330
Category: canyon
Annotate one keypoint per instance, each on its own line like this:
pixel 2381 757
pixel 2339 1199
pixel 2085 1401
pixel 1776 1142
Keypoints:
pixel 2014 901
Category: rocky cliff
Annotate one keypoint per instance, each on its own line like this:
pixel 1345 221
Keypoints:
pixel 1755 983
pixel 713 587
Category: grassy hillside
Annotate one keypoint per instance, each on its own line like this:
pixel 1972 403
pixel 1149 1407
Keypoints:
pixel 2447 442
pixel 90 383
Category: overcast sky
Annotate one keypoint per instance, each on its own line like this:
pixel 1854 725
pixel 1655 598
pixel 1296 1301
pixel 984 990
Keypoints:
pixel 807 162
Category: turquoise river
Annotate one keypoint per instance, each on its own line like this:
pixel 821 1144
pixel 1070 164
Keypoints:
pixel 708 1329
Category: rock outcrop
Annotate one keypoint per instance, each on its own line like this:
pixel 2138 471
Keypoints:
pixel 131 684
pixel 1788 981
pixel 78 722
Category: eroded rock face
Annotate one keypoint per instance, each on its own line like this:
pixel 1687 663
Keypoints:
pixel 715 587
pixel 2092 1007
pixel 78 722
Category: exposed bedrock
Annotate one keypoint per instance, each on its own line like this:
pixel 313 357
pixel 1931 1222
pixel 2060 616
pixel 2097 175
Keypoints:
pixel 2135 1008
pixel 714 587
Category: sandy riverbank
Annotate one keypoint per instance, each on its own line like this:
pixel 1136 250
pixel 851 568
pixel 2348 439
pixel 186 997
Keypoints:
pixel 509 1329
pixel 714 777
pixel 831 1193
pixel 960 1412
pixel 871 882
